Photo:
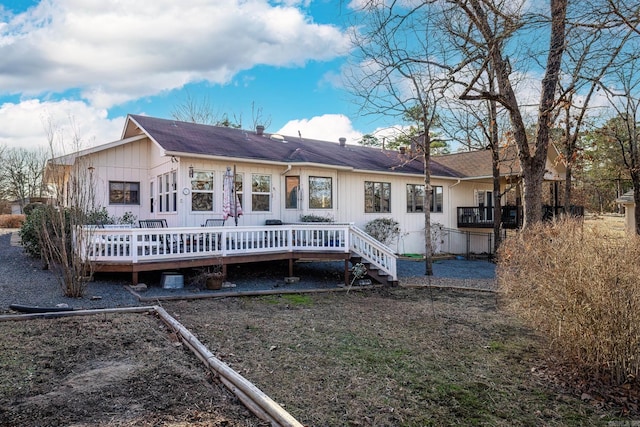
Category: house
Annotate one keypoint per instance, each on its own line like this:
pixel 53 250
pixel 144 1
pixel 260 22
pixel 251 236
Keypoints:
pixel 165 169
pixel 17 206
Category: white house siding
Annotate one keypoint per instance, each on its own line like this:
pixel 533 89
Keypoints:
pixel 123 163
pixel 352 209
pixel 143 162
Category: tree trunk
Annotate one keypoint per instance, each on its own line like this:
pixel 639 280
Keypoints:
pixel 567 189
pixel 428 245
pixel 635 178
pixel 532 178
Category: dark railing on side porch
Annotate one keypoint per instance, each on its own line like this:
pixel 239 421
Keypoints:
pixel 511 217
pixel 475 217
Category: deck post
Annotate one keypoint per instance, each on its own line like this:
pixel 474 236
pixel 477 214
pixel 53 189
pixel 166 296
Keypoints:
pixel 290 267
pixel 134 278
pixel 346 272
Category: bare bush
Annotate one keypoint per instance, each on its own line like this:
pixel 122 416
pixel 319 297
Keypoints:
pixel 11 221
pixel 579 287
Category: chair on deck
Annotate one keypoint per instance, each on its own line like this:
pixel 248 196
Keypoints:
pixel 152 223
pixel 214 222
pixel 166 241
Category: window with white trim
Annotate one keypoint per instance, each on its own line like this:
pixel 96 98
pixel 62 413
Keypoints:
pixel 320 192
pixel 260 193
pixel 167 192
pixel 202 191
pixel 124 193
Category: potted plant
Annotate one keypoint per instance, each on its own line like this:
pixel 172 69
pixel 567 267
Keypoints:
pixel 214 276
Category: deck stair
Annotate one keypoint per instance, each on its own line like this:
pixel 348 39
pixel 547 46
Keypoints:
pixel 374 273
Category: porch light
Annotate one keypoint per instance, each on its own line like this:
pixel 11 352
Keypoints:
pixel 190 171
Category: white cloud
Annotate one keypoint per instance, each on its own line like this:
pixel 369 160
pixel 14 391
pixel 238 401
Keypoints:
pixel 113 51
pixel 24 124
pixel 328 127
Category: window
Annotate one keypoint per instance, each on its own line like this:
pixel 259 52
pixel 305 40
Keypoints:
pixel 151 194
pixel 415 198
pixel 261 193
pixel 202 191
pixel 320 193
pixel 377 196
pixel 436 199
pixel 292 184
pixel 167 192
pixel 124 193
pixel 238 188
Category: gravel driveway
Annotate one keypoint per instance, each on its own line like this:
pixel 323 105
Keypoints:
pixel 23 281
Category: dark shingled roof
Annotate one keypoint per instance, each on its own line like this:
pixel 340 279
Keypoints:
pixel 196 139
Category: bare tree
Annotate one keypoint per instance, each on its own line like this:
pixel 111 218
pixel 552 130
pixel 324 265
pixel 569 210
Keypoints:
pixel 201 110
pixel 624 128
pixel 21 176
pixel 483 36
pixel 395 75
pixel 595 43
pixel 64 246
pixel 477 126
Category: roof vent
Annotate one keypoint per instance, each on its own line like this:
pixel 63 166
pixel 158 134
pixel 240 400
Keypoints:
pixel 260 130
pixel 277 137
pixel 403 149
pixel 343 141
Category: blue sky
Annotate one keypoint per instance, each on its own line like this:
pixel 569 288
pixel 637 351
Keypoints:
pixel 91 62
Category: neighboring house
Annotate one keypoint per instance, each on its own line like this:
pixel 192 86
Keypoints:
pixel 17 206
pixel 626 200
pixel 165 169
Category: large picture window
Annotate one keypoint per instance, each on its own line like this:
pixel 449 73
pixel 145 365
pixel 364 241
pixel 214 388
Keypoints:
pixel 124 193
pixel 261 193
pixel 377 196
pixel 202 191
pixel 320 192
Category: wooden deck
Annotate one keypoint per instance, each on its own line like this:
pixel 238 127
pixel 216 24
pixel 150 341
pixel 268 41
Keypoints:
pixel 135 250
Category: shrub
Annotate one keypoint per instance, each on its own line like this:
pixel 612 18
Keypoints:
pixel 30 230
pixel 31 206
pixel 315 218
pixel 385 230
pixel 11 221
pixel 580 289
pixel 99 216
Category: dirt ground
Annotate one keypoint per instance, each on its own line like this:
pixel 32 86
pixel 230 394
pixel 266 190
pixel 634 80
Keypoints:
pixel 388 357
pixel 376 358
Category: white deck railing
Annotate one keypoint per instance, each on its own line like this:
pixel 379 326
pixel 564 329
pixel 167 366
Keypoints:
pixel 136 245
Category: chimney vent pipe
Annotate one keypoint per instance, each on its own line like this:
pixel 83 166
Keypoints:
pixel 260 130
pixel 343 141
